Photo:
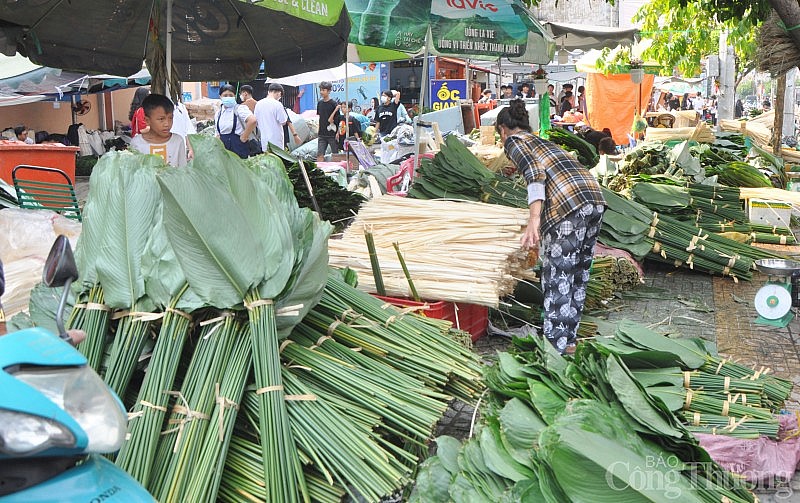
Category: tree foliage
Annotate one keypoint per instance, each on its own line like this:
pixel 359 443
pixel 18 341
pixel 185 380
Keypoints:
pixel 684 32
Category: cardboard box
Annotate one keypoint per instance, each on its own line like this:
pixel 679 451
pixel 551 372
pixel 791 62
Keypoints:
pixel 775 213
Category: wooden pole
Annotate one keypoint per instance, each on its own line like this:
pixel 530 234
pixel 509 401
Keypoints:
pixel 777 132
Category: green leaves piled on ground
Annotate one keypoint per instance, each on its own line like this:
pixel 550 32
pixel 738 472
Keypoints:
pixel 585 429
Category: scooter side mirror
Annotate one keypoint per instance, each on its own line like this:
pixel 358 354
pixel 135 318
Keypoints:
pixel 60 267
pixel 60 270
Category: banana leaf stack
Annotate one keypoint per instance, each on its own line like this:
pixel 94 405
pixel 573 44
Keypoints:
pixel 453 173
pixel 633 227
pixel 713 208
pixel 699 386
pixel 220 265
pixel 585 151
pixel 561 429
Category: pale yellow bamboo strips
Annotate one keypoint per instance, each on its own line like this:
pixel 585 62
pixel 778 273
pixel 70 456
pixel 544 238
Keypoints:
pixel 455 251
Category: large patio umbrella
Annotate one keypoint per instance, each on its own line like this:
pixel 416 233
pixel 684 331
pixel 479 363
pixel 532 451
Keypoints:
pixel 465 28
pixel 210 39
pixel 484 29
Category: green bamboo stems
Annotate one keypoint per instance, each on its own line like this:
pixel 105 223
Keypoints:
pixel 241 480
pixel 744 427
pixel 93 317
pixel 208 467
pixel 145 420
pixel 373 260
pixel 776 389
pixel 180 443
pixel 414 294
pixel 282 472
pixel 132 332
pixel 406 413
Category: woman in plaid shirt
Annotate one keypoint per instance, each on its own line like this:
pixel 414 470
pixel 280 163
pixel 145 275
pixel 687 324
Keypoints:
pixel 566 211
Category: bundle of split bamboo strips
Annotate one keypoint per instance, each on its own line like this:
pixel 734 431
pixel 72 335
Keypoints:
pixel 700 133
pixel 456 251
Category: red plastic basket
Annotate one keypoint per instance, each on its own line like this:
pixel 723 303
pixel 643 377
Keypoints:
pixel 467 317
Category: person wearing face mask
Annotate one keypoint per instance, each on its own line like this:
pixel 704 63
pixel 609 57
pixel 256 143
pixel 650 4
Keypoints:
pixel 386 117
pixel 235 123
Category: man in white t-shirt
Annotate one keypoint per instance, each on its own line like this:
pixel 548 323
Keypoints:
pixel 699 104
pixel 271 117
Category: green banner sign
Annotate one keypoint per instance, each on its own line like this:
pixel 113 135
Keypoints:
pixel 467 28
pixel 323 12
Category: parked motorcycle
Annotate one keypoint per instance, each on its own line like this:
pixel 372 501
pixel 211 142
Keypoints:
pixel 57 416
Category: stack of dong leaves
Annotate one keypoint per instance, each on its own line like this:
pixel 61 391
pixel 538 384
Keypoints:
pixel 250 369
pixel 611 424
pixel 629 225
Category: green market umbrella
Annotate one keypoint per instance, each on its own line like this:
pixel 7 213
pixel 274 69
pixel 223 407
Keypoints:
pixel 467 28
pixel 485 29
pixel 210 39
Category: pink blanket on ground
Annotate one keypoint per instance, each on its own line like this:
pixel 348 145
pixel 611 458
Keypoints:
pixel 761 459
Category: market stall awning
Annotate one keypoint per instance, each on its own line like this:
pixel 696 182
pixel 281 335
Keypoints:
pixel 585 37
pixel 677 85
pixel 209 40
pixel 19 99
pixel 340 72
pixel 20 76
pixel 503 28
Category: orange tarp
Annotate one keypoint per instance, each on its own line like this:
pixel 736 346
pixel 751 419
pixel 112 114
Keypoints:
pixel 611 101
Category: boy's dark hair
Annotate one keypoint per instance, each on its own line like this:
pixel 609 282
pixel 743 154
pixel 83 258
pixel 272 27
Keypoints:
pixel 154 101
pixel 607 146
pixel 274 87
pixel 325 85
pixel 247 88
pixel 19 130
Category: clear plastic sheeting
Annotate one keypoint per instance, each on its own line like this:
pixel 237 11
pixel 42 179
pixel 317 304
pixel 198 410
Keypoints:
pixel 25 240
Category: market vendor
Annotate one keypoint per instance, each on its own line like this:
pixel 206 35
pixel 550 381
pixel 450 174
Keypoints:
pixel 235 123
pixel 566 211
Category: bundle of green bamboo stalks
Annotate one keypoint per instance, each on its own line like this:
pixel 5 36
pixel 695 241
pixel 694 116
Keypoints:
pixel 456 251
pixel 221 267
pixel 708 393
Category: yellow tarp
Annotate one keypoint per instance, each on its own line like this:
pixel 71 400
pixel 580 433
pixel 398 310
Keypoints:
pixel 611 102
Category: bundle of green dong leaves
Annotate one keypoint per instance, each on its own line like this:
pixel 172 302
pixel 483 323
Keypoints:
pixel 201 282
pixel 586 429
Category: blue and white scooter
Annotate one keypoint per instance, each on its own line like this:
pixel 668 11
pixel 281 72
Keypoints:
pixel 57 415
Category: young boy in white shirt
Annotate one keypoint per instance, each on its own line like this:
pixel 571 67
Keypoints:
pixel 158 113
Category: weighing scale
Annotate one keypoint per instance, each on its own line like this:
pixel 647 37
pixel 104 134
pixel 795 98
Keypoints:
pixel 774 301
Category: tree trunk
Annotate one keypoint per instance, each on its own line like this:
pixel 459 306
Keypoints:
pixel 789 12
pixel 777 131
